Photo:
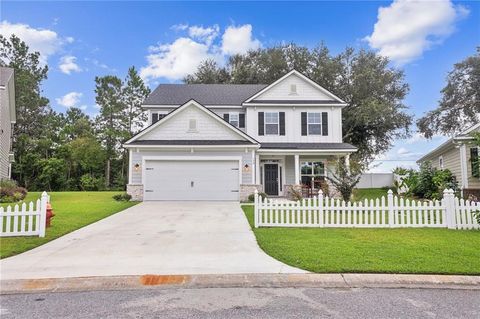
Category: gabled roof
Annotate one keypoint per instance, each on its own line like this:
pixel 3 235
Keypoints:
pixel 334 99
pixel 194 103
pixel 206 94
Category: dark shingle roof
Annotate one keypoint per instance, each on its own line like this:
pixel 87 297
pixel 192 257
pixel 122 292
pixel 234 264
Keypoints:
pixel 309 146
pixel 206 94
pixel 295 102
pixel 190 142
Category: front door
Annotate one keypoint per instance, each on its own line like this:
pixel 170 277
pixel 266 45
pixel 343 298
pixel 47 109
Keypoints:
pixel 271 179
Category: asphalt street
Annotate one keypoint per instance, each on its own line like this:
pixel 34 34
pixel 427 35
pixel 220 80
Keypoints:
pixel 246 303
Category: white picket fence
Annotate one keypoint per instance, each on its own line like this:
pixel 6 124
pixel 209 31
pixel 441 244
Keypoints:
pixel 392 211
pixel 24 220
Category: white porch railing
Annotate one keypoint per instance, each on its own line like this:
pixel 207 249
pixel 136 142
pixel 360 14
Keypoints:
pixel 24 220
pixel 392 211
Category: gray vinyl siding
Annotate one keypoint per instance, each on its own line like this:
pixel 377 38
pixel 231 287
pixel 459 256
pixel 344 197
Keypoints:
pixel 5 129
pixel 246 159
pixel 451 161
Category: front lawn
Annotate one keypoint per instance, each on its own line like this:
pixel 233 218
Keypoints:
pixel 72 210
pixel 335 250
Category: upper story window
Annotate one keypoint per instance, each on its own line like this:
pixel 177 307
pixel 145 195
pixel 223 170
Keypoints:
pixel 235 118
pixel 157 116
pixel 314 121
pixel 271 123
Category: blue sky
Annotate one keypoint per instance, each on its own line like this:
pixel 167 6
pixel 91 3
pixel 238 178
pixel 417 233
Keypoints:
pixel 81 40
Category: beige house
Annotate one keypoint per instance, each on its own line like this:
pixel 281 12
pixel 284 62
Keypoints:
pixel 7 119
pixel 460 155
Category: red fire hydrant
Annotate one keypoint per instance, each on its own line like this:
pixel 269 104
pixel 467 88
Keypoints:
pixel 50 214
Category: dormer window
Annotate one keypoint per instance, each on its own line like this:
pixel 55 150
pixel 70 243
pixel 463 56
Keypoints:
pixel 293 89
pixel 156 116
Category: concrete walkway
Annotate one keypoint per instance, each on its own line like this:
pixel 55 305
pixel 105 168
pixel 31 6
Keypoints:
pixel 152 238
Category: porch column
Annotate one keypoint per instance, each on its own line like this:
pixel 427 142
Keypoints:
pixel 257 169
pixel 297 169
pixel 463 165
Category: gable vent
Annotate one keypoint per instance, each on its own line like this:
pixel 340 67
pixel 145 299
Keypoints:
pixel 192 125
pixel 293 89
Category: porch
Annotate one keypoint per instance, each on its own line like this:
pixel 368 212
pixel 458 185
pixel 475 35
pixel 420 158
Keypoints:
pixel 307 173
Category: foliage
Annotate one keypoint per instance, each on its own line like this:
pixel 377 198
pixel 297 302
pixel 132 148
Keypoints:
pixel 251 197
pixel 70 151
pixel 345 179
pixel 370 250
pixel 10 192
pixel 460 103
pixel 375 115
pixel 73 210
pixel 400 171
pixel 124 197
pixel 429 182
pixel 295 193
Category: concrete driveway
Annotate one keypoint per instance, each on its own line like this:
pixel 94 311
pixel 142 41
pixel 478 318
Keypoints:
pixel 152 238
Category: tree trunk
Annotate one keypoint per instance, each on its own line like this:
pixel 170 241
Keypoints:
pixel 107 174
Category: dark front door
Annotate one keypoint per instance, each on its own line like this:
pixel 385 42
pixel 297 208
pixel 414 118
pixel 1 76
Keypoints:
pixel 271 179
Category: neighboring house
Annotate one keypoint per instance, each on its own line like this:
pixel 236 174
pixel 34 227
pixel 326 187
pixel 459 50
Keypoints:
pixel 222 141
pixel 7 119
pixel 460 155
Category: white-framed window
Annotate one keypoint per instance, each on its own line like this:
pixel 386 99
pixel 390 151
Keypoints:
pixel 234 119
pixel 440 162
pixel 157 116
pixel 314 123
pixel 271 123
pixel 312 173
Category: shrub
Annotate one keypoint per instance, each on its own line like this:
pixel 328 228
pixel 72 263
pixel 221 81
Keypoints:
pixel 90 183
pixel 251 197
pixel 124 197
pixel 10 192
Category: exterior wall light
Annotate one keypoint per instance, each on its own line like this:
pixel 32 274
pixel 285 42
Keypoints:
pixel 246 168
pixel 136 166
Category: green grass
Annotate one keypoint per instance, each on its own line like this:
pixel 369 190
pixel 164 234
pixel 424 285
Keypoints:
pixel 368 193
pixel 334 250
pixel 72 210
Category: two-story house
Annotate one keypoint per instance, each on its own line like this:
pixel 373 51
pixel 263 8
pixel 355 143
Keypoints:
pixel 221 142
pixel 7 120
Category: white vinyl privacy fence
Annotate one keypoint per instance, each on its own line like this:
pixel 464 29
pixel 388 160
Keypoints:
pixel 392 211
pixel 24 220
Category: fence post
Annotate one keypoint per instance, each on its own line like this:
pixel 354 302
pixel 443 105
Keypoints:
pixel 320 207
pixel 449 203
pixel 43 214
pixel 255 209
pixel 391 213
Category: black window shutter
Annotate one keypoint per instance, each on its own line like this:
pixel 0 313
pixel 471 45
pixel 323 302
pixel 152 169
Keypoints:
pixel 161 116
pixel 324 123
pixel 282 123
pixel 304 124
pixel 154 118
pixel 226 117
pixel 241 120
pixel 474 162
pixel 261 124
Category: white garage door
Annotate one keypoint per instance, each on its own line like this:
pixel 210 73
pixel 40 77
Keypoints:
pixel 191 180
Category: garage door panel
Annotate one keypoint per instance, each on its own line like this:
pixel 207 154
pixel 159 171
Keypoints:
pixel 191 180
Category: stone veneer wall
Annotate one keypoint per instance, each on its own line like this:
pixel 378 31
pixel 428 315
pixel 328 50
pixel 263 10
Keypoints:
pixel 136 191
pixel 248 189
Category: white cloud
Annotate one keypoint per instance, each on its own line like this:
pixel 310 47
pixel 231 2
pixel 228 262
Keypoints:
pixel 181 57
pixel 68 64
pixel 406 28
pixel 70 99
pixel 206 35
pixel 239 40
pixel 45 41
pixel 174 61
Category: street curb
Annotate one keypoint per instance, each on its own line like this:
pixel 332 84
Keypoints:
pixel 18 286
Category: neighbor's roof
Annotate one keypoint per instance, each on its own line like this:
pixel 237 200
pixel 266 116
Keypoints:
pixel 5 75
pixel 308 146
pixel 206 94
